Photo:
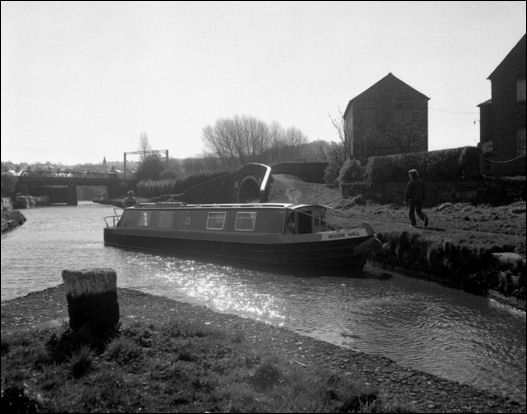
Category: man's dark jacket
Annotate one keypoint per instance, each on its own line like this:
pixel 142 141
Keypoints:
pixel 415 190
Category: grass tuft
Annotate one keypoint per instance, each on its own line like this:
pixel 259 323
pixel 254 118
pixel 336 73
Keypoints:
pixel 81 361
pixel 266 376
pixel 124 351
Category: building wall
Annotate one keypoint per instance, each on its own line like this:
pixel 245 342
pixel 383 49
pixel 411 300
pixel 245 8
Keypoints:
pixel 508 115
pixel 485 123
pixel 390 104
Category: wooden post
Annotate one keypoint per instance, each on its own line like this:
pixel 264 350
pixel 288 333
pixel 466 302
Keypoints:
pixel 92 298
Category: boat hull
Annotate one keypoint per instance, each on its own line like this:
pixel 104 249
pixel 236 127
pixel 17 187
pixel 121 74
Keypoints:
pixel 335 254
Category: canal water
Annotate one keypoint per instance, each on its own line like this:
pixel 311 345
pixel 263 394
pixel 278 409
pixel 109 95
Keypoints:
pixel 418 324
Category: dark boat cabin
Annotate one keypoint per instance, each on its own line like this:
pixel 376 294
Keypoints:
pixel 257 218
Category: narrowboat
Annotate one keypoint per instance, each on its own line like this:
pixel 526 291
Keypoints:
pixel 276 235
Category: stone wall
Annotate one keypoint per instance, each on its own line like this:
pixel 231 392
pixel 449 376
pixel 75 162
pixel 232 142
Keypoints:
pixel 473 270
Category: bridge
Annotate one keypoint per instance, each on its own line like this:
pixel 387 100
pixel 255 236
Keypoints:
pixel 250 183
pixel 61 186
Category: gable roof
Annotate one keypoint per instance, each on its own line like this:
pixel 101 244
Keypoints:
pixel 487 102
pixel 520 46
pixel 389 76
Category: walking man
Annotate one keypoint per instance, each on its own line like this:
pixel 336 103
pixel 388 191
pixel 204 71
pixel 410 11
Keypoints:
pixel 415 194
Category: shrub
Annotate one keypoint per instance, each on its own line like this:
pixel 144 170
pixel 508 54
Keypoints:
pixel 351 171
pixel 150 168
pixel 8 184
pixel 336 155
pixel 331 174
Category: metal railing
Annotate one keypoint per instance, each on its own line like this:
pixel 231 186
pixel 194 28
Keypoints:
pixel 111 221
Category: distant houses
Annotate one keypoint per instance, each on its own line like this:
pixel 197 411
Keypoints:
pixel 502 118
pixel 390 117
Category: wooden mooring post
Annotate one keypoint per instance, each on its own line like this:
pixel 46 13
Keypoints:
pixel 92 298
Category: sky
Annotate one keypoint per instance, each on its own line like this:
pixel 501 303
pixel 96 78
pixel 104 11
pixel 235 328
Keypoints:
pixel 82 80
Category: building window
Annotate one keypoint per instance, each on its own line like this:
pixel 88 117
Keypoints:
pixel 245 221
pixel 520 141
pixel 520 91
pixel 216 220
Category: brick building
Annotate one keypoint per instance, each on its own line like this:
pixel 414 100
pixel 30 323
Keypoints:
pixel 502 118
pixel 390 117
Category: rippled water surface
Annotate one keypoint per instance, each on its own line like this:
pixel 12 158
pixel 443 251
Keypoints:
pixel 416 323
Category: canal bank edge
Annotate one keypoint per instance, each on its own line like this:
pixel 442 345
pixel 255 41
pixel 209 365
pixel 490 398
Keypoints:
pixel 420 392
pixel 11 219
pixel 488 272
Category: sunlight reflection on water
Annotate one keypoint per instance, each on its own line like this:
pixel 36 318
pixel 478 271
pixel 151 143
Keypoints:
pixel 418 324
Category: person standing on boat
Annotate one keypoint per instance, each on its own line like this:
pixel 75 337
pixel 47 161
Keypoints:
pixel 130 201
pixel 415 194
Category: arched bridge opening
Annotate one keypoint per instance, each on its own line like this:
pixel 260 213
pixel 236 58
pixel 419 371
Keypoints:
pixel 249 190
pixel 248 184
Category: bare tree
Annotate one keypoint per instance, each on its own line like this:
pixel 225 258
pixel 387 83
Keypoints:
pixel 144 146
pixel 344 132
pixel 287 144
pixel 244 139
pixel 240 140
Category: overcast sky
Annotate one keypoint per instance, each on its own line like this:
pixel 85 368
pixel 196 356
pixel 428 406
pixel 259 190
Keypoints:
pixel 81 81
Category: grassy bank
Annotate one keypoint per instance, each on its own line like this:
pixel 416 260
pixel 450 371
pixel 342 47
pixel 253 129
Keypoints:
pixel 463 246
pixel 169 356
pixel 461 223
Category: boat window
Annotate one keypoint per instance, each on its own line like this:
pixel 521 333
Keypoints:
pixel 290 225
pixel 245 221
pixel 144 219
pixel 319 222
pixel 134 218
pixel 216 220
pixel 164 219
pixel 304 222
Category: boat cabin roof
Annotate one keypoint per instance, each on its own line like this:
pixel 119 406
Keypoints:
pixel 178 205
pixel 276 218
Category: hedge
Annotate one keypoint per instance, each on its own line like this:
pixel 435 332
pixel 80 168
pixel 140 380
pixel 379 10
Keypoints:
pixel 443 165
